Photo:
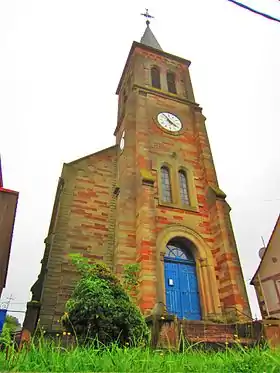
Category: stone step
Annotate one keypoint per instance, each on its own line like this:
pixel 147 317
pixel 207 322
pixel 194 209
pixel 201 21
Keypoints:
pixel 222 339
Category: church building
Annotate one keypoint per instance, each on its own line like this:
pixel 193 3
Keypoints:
pixel 152 198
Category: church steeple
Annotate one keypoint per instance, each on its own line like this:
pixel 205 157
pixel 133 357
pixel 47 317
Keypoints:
pixel 148 37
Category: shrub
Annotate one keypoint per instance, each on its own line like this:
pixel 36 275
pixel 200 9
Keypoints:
pixel 99 308
pixel 130 277
pixel 12 323
pixel 5 338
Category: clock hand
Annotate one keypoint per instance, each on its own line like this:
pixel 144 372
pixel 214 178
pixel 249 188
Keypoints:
pixel 173 124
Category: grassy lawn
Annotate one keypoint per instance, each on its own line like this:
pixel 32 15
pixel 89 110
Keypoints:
pixel 48 358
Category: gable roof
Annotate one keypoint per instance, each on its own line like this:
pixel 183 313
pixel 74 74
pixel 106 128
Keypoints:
pixel 90 155
pixel 266 250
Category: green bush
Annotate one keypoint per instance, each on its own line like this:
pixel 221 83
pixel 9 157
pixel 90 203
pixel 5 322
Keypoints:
pixel 100 309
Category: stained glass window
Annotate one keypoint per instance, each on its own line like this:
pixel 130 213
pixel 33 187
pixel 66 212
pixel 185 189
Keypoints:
pixel 166 185
pixel 184 193
pixel 171 85
pixel 155 75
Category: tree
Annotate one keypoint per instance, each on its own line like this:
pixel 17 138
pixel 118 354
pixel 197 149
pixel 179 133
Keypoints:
pixel 100 308
pixel 12 323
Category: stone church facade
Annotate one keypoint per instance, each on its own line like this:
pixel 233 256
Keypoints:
pixel 152 198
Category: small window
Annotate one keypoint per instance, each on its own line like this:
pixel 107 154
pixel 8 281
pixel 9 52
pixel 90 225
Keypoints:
pixel 166 185
pixel 124 96
pixel 128 83
pixel 171 85
pixel 184 193
pixel 155 75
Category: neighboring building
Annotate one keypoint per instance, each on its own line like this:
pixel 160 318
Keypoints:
pixel 152 198
pixel 8 206
pixel 267 277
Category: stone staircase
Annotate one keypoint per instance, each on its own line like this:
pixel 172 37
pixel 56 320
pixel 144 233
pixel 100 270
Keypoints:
pixel 211 334
pixel 169 332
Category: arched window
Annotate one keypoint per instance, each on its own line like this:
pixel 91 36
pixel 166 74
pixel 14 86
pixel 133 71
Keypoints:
pixel 175 251
pixel 165 184
pixel 184 192
pixel 171 85
pixel 155 75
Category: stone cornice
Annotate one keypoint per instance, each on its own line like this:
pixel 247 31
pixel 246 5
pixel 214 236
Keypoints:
pixel 218 192
pixel 147 177
pixel 169 96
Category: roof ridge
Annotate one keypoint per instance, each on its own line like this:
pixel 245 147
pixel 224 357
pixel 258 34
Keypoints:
pixel 266 249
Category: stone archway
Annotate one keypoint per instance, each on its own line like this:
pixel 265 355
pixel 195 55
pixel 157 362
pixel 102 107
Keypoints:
pixel 208 289
pixel 181 285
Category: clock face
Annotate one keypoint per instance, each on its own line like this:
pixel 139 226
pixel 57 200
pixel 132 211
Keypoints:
pixel 122 141
pixel 169 122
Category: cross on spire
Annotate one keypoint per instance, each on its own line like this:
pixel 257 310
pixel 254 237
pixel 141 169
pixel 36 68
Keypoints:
pixel 148 37
pixel 147 15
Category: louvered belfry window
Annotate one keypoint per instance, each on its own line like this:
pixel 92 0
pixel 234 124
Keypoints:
pixel 184 192
pixel 155 75
pixel 166 185
pixel 171 84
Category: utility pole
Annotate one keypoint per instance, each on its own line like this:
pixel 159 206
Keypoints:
pixel 6 304
pixel 9 300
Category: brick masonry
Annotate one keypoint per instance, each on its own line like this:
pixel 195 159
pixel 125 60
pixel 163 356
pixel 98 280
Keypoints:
pixel 111 208
pixel 170 333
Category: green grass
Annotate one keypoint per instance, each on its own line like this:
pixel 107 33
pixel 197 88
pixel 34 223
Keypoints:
pixel 48 358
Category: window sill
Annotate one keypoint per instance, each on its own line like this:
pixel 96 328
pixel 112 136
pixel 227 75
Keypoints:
pixel 178 207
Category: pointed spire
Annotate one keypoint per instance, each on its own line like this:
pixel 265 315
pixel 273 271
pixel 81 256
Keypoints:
pixel 148 37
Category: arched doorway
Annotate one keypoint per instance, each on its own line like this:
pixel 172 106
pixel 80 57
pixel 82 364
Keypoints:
pixel 181 286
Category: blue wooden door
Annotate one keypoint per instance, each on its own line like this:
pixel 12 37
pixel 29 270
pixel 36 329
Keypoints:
pixel 189 292
pixel 172 288
pixel 182 296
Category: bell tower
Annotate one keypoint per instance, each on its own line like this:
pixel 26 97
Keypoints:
pixel 171 215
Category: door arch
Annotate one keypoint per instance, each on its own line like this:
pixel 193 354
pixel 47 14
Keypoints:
pixel 181 285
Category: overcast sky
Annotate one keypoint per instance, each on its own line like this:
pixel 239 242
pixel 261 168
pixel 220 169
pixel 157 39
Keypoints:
pixel 60 63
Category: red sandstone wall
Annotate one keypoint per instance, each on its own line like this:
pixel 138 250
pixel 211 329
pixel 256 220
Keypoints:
pixel 85 225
